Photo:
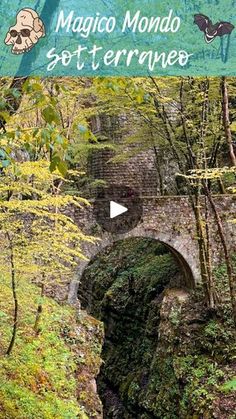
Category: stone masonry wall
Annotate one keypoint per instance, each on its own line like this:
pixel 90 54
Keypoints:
pixel 138 173
pixel 171 221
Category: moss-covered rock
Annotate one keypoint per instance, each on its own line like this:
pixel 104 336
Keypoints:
pixel 164 355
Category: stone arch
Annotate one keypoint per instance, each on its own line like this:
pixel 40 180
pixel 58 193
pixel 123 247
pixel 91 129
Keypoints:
pixel 186 260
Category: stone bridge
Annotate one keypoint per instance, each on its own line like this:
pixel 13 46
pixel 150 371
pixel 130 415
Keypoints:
pixel 169 220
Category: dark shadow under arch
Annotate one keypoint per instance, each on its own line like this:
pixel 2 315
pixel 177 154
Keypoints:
pixel 187 278
pixel 187 272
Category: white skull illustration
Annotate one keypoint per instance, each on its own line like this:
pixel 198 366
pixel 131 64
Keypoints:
pixel 27 31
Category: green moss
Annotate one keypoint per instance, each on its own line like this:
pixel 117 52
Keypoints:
pixel 127 282
pixel 40 379
pixel 177 375
pixel 229 386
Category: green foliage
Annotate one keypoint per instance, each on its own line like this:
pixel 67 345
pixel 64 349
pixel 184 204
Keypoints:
pixel 50 115
pixel 229 386
pixel 46 124
pixel 39 380
pixel 45 242
pixel 203 377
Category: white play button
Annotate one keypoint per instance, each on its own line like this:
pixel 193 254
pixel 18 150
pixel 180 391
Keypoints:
pixel 116 209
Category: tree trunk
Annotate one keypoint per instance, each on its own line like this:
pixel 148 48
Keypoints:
pixel 15 299
pixel 228 261
pixel 158 169
pixel 13 103
pixel 39 312
pixel 211 284
pixel 226 120
pixel 202 248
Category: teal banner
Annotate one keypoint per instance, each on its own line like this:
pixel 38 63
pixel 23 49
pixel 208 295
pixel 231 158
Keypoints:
pixel 117 38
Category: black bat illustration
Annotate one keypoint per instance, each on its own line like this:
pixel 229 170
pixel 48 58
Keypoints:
pixel 211 31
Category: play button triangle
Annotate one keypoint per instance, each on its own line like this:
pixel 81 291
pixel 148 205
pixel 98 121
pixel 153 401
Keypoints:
pixel 116 209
